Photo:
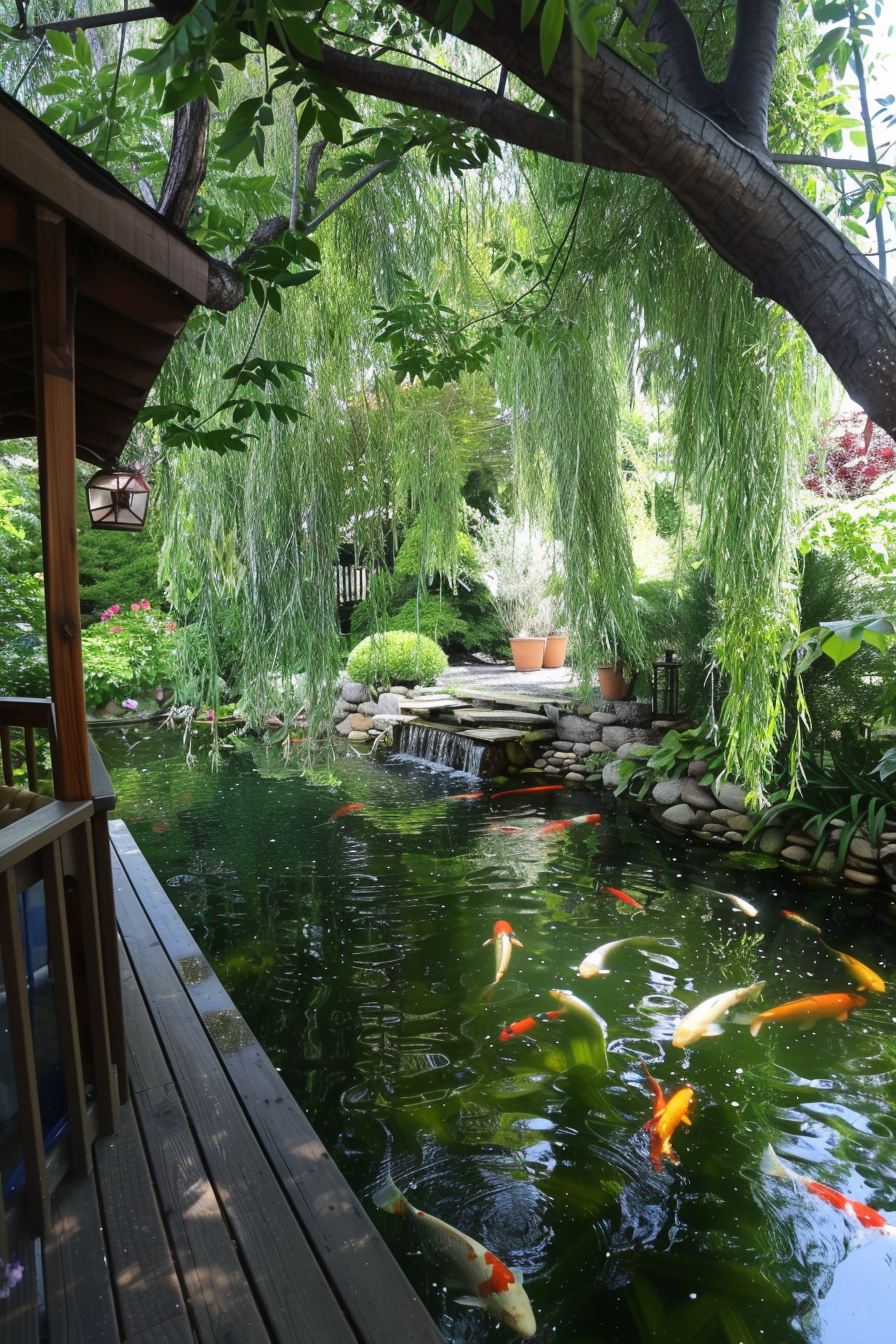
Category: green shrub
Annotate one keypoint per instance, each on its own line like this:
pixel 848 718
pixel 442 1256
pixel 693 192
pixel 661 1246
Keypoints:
pixel 396 656
pixel 128 651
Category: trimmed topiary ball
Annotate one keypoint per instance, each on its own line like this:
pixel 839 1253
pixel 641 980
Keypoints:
pixel 396 656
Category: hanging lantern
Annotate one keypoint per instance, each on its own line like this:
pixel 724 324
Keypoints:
pixel 665 685
pixel 117 500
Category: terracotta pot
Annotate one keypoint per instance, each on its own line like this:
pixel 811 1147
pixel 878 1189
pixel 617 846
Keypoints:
pixel 528 654
pixel 555 651
pixel 613 685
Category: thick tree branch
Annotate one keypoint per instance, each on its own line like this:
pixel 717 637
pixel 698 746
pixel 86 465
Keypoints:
pixel 98 20
pixel 679 67
pixel 186 162
pixel 821 161
pixel 751 64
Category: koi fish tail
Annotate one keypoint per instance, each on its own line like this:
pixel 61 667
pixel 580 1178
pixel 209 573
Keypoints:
pixel 390 1199
pixel 658 1147
pixel 756 1026
pixel 771 1165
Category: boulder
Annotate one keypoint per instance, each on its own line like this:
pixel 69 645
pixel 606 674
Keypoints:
pixel 340 709
pixel 862 848
pixel 733 796
pixel 610 774
pixel 388 703
pixel 680 815
pixel 582 748
pixel 827 862
pixel 860 879
pixel 397 690
pixel 796 854
pixel 646 737
pixel 359 723
pixel 614 737
pixel 357 736
pixel 633 713
pixel 343 728
pixel 696 796
pixel 772 841
pixel 355 693
pixel 697 769
pixel 368 707
pixel 667 791
pixel 598 746
pixel 382 721
pixel 573 729
pixel 624 750
pixel 605 720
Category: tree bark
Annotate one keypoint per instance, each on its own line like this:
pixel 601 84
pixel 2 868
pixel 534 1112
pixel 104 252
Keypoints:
pixel 186 162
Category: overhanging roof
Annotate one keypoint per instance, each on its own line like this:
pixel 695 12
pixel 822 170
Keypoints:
pixel 135 278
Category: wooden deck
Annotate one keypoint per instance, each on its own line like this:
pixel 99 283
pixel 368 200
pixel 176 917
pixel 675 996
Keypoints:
pixel 215 1214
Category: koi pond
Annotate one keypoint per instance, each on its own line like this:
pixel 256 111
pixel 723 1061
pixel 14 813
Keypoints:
pixel 355 949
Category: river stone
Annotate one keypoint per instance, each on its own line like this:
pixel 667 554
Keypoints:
pixel 368 707
pixel 860 879
pixel 340 709
pixel 624 750
pixel 733 796
pixel 357 736
pixel 771 841
pixel 714 828
pixel 614 737
pixel 734 821
pixel 610 774
pixel 581 748
pixel 801 838
pixel 552 770
pixel 701 817
pixel 605 720
pixel 355 693
pixel 888 838
pixel 735 837
pixel 597 747
pixel 796 854
pixel 680 815
pixel 539 764
pixel 576 777
pixel 561 745
pixel 574 729
pixel 360 722
pixel 382 721
pixel 388 704
pixel 827 862
pixel 344 728
pixel 584 710
pixel 697 769
pixel 667 791
pixel 862 848
pixel 397 690
pixel 697 797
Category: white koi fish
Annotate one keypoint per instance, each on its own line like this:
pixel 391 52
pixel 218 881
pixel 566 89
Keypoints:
pixel 699 1020
pixel 595 962
pixel 504 941
pixel 743 906
pixel 492 1286
pixel 578 1008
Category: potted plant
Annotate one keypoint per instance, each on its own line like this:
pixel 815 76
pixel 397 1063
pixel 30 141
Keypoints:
pixel 518 566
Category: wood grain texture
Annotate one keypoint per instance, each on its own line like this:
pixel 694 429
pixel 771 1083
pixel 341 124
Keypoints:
pixel 80 1309
pixel 19 1319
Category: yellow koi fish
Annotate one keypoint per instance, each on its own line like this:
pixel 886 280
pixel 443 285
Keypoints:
pixel 668 1114
pixel 698 1021
pixel 863 975
pixel 491 1285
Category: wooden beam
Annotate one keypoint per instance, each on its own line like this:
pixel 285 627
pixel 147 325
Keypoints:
pixel 129 337
pixel 54 366
pixel 125 288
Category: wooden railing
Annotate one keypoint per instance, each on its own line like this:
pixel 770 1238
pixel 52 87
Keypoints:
pixel 64 845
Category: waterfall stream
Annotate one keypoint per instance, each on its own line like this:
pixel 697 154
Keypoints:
pixel 453 751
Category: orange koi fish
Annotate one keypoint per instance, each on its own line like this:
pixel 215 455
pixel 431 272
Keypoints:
pixel 507 829
pixel 458 797
pixel 527 1024
pixel 538 788
pixel 623 896
pixel 504 941
pixel 809 1010
pixel 863 975
pixel 771 1165
pixel 668 1114
pixel 341 811
pixel 490 1284
pixel 586 818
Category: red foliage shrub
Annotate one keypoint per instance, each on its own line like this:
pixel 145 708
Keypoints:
pixel 854 458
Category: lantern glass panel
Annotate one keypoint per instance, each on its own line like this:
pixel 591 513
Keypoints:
pixel 117 500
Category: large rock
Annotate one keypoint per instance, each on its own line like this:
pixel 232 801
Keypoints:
pixel 344 728
pixel 624 750
pixel 368 707
pixel 680 815
pixel 388 704
pixel 772 841
pixel 597 747
pixel 561 745
pixel 574 729
pixel 357 736
pixel 860 879
pixel 611 774
pixel 796 854
pixel 696 796
pixel 340 709
pixel 359 723
pixel 584 710
pixel 383 721
pixel 614 737
pixel 667 791
pixel 581 748
pixel 862 848
pixel 733 796
pixel 697 769
pixel 355 693
pixel 606 720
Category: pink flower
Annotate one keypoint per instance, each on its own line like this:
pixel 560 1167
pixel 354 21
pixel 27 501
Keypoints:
pixel 115 610
pixel 135 606
pixel 169 625
pixel 129 704
pixel 116 629
pixel 105 616
pixel 144 604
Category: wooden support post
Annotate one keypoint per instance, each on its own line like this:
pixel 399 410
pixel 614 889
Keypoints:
pixel 6 753
pixel 66 1011
pixel 105 895
pixel 54 377
pixel 37 1197
pixel 106 1090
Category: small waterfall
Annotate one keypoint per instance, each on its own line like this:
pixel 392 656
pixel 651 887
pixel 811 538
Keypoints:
pixel 453 751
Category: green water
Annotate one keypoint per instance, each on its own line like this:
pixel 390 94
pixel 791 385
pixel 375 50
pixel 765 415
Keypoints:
pixel 354 948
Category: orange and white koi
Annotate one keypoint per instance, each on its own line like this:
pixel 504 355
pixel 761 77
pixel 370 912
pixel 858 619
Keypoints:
pixel 490 1284
pixel 504 941
pixel 595 962
pixel 538 788
pixel 459 797
pixel 526 1024
pixel 771 1165
pixel 624 896
pixel 342 811
pixel 700 1020
pixel 806 1012
pixel 588 818
pixel 668 1114
pixel 863 975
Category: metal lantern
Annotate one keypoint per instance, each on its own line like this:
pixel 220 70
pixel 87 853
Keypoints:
pixel 665 685
pixel 117 500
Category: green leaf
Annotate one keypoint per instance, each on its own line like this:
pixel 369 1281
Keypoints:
pixel 527 13
pixel 463 11
pixel 61 43
pixel 551 31
pixel 302 36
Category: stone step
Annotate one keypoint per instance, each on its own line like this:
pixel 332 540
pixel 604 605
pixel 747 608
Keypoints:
pixel 510 718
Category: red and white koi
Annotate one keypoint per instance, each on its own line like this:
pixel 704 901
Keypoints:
pixel 668 1114
pixel 490 1284
pixel 527 1024
pixel 587 818
pixel 771 1165
pixel 504 941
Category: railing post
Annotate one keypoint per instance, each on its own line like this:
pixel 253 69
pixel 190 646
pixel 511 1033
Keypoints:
pixel 36 1190
pixel 108 924
pixel 106 1092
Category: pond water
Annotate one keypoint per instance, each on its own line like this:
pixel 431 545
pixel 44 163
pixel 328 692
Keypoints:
pixel 354 948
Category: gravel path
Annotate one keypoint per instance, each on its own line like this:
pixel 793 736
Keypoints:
pixel 549 682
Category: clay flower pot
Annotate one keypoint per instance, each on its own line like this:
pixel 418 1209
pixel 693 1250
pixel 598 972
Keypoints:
pixel 613 685
pixel 555 651
pixel 528 654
